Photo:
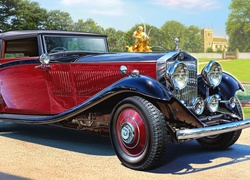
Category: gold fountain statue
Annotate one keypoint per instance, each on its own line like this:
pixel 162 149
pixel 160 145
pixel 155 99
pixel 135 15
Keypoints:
pixel 141 41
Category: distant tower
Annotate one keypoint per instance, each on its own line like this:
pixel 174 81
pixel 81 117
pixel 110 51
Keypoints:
pixel 207 35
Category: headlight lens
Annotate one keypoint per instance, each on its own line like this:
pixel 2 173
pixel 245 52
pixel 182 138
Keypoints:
pixel 212 103
pixel 212 74
pixel 197 105
pixel 177 75
pixel 232 102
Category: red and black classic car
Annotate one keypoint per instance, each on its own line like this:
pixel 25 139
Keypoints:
pixel 142 100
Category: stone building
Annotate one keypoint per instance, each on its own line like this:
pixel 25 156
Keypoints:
pixel 215 43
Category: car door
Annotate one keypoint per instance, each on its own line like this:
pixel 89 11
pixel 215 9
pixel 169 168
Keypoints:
pixel 61 89
pixel 23 87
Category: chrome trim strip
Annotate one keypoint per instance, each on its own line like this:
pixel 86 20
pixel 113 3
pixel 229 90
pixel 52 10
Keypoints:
pixel 212 130
pixel 165 57
pixel 161 64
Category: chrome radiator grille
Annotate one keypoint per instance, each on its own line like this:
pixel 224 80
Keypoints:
pixel 191 90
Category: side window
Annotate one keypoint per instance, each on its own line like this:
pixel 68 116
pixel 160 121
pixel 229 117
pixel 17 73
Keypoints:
pixel 21 47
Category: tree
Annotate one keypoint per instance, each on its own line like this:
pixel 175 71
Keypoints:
pixel 193 39
pixel 27 15
pixel 58 20
pixel 89 26
pixel 209 50
pixel 238 25
pixel 155 41
pixel 170 30
pixel 78 26
pixel 6 13
pixel 116 40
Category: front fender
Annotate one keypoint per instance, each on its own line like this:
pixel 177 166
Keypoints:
pixel 144 85
pixel 227 88
pixel 171 107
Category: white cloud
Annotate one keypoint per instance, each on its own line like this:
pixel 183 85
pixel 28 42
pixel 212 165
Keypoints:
pixel 102 7
pixel 189 4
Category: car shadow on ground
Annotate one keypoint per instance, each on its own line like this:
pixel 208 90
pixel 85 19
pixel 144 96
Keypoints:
pixel 190 158
pixel 179 159
pixel 72 140
pixel 5 176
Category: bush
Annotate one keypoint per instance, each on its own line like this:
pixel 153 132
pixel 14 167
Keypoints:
pixel 210 50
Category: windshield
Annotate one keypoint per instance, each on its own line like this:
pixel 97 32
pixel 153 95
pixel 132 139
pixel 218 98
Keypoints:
pixel 55 44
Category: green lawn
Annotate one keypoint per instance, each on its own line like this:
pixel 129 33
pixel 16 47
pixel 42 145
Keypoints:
pixel 246 112
pixel 244 95
pixel 206 59
pixel 238 68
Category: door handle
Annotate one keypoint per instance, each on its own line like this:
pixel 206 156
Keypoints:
pixel 42 66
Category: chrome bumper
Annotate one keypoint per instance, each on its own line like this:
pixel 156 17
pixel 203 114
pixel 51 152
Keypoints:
pixel 212 130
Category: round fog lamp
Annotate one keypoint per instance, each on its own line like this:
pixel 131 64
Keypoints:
pixel 212 103
pixel 232 102
pixel 197 105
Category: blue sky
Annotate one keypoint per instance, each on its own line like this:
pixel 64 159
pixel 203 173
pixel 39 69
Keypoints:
pixel 123 14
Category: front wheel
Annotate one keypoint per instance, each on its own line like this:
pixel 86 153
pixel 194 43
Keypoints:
pixel 220 142
pixel 138 133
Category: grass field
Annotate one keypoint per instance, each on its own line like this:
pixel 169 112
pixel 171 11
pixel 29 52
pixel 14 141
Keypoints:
pixel 240 69
pixel 246 112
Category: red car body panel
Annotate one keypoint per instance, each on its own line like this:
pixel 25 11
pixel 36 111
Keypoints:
pixel 20 87
pixel 60 86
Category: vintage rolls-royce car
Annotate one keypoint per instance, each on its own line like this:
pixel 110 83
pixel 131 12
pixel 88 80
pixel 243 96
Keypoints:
pixel 141 100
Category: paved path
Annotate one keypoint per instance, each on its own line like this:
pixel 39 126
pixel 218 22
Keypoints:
pixel 43 152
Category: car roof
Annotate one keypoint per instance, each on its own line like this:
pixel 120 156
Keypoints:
pixel 25 33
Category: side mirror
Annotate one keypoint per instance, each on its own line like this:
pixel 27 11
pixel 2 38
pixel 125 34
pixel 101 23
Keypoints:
pixel 44 59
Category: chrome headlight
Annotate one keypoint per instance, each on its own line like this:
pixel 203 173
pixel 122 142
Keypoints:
pixel 197 105
pixel 212 74
pixel 212 103
pixel 177 75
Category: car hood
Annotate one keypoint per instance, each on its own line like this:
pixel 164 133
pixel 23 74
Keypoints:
pixel 118 57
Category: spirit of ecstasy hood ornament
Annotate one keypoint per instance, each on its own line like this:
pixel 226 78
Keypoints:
pixel 176 41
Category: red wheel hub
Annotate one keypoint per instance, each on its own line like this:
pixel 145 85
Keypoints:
pixel 131 132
